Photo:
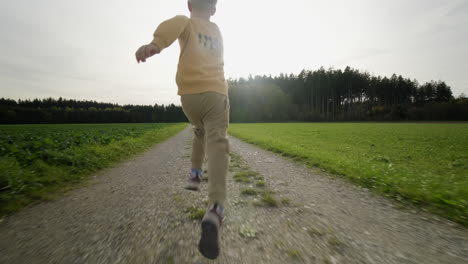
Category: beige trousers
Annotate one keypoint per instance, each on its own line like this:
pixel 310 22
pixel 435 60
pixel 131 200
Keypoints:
pixel 209 115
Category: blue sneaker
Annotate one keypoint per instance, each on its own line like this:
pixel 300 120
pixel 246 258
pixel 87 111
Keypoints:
pixel 194 180
pixel 209 241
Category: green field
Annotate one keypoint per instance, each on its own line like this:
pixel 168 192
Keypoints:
pixel 422 163
pixel 37 161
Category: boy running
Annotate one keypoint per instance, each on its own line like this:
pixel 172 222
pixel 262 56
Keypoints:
pixel 204 97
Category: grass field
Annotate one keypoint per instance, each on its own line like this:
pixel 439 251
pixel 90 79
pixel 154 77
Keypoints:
pixel 425 164
pixel 37 161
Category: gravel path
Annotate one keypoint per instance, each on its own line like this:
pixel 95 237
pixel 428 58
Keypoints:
pixel 138 212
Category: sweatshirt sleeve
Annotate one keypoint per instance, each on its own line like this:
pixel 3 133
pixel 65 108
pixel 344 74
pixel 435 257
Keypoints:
pixel 169 30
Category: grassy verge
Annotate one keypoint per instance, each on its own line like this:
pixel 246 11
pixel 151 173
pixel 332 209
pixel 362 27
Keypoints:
pixel 423 164
pixel 56 165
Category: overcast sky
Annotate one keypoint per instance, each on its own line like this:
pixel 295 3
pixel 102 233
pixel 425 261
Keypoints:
pixel 85 49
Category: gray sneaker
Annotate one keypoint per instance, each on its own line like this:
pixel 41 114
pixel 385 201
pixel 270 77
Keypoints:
pixel 194 180
pixel 209 241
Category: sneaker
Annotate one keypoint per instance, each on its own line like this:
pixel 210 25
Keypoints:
pixel 209 241
pixel 194 180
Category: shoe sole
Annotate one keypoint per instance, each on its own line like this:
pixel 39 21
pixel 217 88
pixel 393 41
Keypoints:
pixel 208 245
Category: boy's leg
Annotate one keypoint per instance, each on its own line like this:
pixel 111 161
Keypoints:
pixel 198 147
pixel 218 162
pixel 216 122
pixel 193 110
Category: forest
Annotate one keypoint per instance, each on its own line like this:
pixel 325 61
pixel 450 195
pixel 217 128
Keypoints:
pixel 310 96
pixel 62 111
pixel 342 95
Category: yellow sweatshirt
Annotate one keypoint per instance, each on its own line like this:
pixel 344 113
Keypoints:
pixel 201 62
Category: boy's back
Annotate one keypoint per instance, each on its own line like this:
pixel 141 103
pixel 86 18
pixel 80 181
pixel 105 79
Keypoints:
pixel 201 63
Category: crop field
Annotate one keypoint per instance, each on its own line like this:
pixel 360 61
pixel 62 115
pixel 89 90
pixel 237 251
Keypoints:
pixel 36 161
pixel 421 163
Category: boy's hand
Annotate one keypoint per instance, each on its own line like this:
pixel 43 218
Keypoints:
pixel 146 51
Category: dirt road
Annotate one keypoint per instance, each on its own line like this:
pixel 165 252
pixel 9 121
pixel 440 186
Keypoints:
pixel 139 212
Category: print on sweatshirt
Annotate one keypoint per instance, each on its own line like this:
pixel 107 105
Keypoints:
pixel 209 42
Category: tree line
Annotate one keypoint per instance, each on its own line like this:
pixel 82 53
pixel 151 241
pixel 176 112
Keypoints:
pixel 63 111
pixel 318 95
pixel 342 95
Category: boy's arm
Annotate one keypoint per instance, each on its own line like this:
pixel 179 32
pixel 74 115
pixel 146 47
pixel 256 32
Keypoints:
pixel 166 33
